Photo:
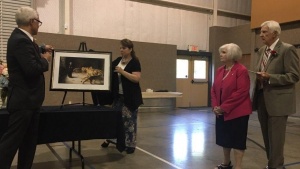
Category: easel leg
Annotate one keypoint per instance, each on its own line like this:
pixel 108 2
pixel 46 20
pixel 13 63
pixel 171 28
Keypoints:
pixel 62 103
pixel 83 100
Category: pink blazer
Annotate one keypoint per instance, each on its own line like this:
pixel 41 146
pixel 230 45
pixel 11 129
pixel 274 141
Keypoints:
pixel 232 92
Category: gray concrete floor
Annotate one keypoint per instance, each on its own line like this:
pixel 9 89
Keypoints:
pixel 179 139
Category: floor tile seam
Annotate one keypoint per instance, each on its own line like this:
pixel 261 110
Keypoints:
pixel 294 117
pixel 292 164
pixel 292 133
pixel 263 148
pixel 256 143
pixel 254 126
pixel 58 157
pixel 292 125
pixel 61 161
pixel 174 125
pixel 287 129
pixel 297 126
pixel 159 158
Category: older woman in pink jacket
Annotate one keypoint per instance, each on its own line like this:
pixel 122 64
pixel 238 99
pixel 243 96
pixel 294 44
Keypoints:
pixel 231 104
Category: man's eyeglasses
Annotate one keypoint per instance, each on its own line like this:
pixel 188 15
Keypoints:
pixel 40 23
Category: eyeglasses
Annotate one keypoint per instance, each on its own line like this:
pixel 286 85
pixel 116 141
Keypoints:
pixel 40 23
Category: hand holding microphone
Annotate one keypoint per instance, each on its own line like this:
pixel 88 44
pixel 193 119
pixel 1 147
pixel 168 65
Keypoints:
pixel 47 52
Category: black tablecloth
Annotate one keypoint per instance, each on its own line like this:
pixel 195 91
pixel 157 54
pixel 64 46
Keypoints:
pixel 72 123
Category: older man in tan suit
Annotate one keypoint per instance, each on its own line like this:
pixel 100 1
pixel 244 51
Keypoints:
pixel 274 96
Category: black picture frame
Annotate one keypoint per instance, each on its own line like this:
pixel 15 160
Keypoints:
pixel 80 71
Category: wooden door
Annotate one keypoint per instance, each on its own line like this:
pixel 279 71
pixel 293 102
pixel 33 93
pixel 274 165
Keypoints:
pixel 194 88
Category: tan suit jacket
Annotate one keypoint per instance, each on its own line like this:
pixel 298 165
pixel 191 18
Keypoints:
pixel 279 91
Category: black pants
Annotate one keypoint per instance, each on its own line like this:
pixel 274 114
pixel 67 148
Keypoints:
pixel 21 135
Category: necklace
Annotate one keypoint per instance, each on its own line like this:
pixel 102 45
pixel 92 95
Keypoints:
pixel 124 61
pixel 229 69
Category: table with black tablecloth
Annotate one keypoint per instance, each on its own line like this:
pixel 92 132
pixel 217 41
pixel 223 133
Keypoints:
pixel 73 123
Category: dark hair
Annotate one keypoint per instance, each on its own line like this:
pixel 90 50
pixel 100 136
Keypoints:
pixel 128 43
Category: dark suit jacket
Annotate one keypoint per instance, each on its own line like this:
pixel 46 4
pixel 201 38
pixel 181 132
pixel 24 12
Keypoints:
pixel 26 89
pixel 279 91
pixel 131 91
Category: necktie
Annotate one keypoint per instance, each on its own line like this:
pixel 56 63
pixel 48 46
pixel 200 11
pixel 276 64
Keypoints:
pixel 263 65
pixel 36 46
pixel 265 59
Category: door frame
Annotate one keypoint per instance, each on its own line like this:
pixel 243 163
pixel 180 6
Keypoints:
pixel 208 56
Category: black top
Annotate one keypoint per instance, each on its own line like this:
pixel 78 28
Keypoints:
pixel 131 91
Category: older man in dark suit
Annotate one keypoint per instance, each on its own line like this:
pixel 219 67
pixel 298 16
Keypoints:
pixel 26 91
pixel 274 98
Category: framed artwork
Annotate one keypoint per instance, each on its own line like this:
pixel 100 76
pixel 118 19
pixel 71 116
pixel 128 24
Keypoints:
pixel 81 71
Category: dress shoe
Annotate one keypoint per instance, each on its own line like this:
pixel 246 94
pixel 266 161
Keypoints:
pixel 106 143
pixel 130 150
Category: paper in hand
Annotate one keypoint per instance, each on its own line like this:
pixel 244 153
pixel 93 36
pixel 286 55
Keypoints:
pixel 252 71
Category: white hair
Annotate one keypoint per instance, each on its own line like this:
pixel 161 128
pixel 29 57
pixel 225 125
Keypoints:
pixel 234 52
pixel 24 15
pixel 273 26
